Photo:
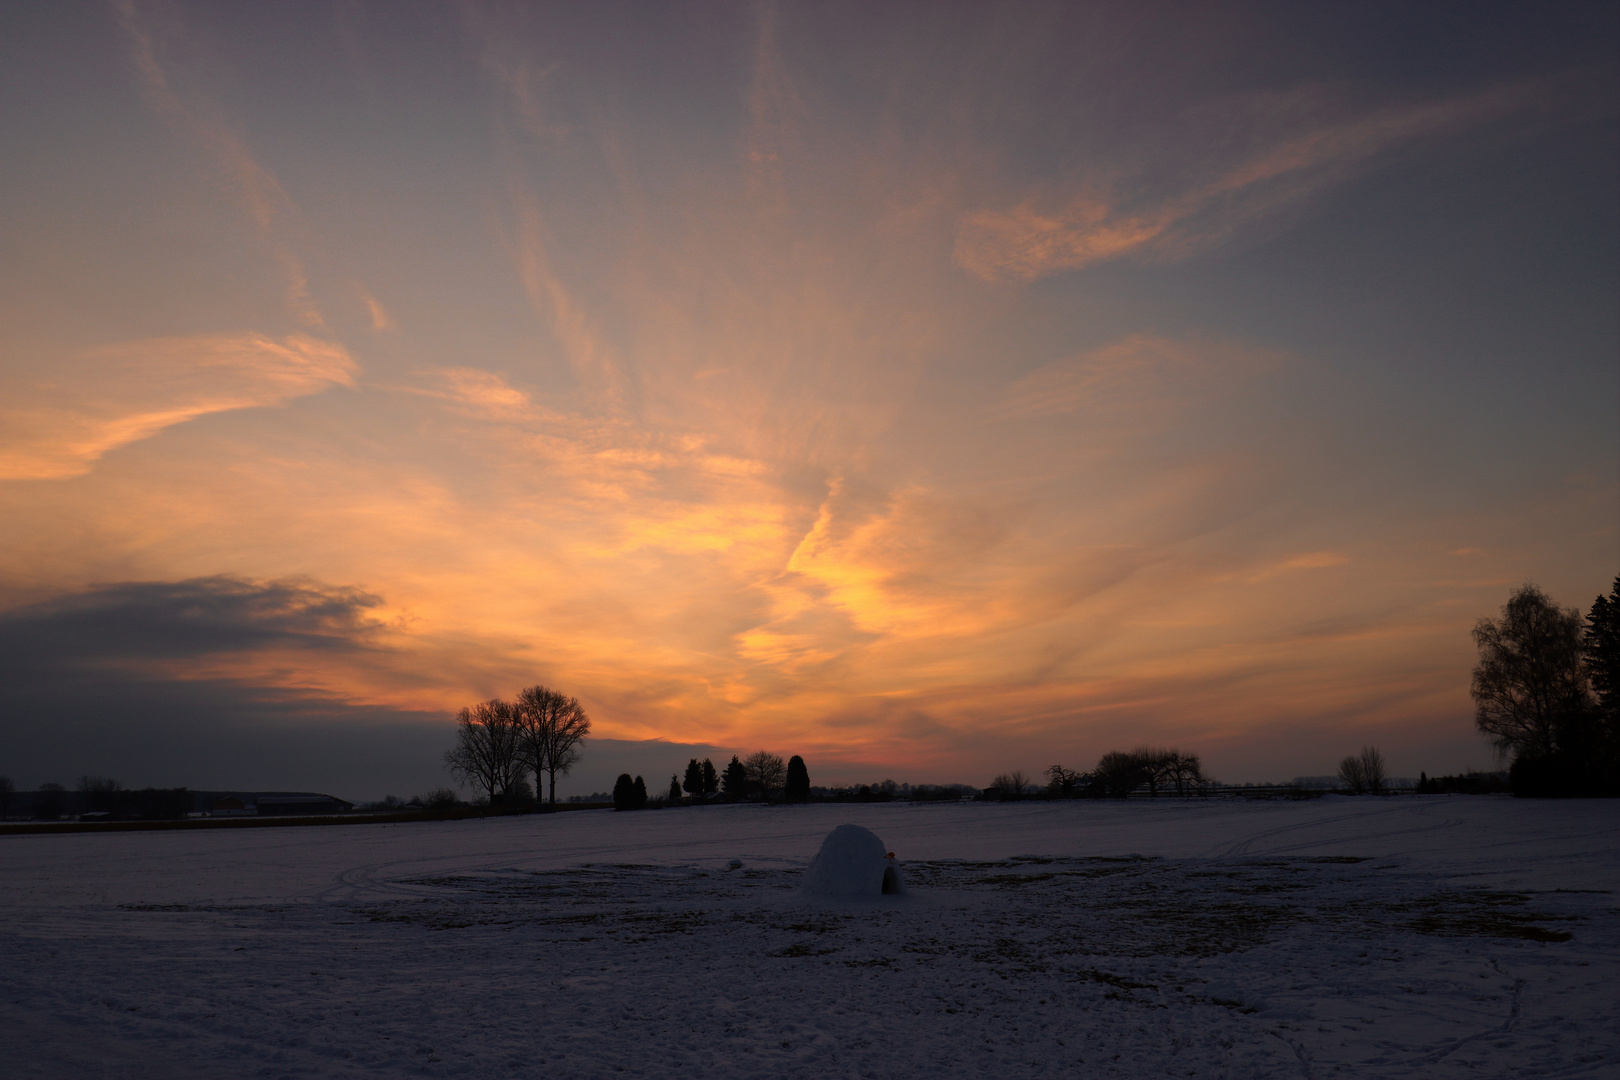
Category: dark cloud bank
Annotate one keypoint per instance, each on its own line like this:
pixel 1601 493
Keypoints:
pixel 87 687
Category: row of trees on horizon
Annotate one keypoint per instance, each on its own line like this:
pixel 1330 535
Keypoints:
pixel 761 776
pixel 1116 775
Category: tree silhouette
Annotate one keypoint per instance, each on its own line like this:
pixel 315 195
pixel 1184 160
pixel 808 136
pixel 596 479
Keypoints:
pixel 1064 783
pixel 1120 773
pixel 553 725
pixel 624 793
pixel 1186 771
pixel 694 779
pixel 1010 785
pixel 487 751
pixel 1157 765
pixel 1529 689
pixel 1363 774
pixel 735 780
pixel 711 779
pixel 766 773
pixel 674 789
pixel 641 793
pixel 1600 646
pixel 797 788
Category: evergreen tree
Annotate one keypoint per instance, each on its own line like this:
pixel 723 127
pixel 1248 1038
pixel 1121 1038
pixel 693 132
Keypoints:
pixel 694 779
pixel 711 779
pixel 797 788
pixel 1601 651
pixel 624 793
pixel 640 793
pixel 674 789
pixel 735 780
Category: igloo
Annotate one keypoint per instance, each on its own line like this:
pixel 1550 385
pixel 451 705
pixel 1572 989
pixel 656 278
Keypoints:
pixel 853 862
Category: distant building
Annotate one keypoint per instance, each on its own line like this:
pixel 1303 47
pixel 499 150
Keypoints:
pixel 303 803
pixel 230 806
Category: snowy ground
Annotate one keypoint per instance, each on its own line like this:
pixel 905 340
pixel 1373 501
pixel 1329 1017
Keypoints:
pixel 1413 936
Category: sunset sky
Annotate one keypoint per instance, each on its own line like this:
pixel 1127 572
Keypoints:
pixel 930 390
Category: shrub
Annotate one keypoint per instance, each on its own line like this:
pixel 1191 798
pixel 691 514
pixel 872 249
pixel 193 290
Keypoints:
pixel 797 788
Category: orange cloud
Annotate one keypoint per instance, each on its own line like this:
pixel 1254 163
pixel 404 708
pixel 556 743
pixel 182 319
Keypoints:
pixel 112 396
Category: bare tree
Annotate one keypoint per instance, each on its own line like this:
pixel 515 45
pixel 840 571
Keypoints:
pixel 536 709
pixel 1064 783
pixel 1351 776
pixel 765 771
pixel 552 726
pixel 1158 766
pixel 1372 770
pixel 562 743
pixel 1121 773
pixel 1363 773
pixel 1530 685
pixel 486 754
pixel 1010 785
pixel 1186 771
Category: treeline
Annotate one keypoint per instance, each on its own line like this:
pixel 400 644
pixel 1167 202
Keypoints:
pixel 761 777
pixel 1116 775
pixel 1469 783
pixel 499 743
pixel 1547 693
pixel 96 796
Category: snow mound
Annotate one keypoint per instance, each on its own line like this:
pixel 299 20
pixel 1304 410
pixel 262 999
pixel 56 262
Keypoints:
pixel 852 862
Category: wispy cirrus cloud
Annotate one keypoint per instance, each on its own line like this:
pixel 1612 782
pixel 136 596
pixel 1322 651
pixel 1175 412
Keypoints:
pixel 260 192
pixel 1140 373
pixel 59 425
pixel 1259 157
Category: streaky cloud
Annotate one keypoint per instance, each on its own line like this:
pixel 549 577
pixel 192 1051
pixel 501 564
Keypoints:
pixel 1289 151
pixel 105 398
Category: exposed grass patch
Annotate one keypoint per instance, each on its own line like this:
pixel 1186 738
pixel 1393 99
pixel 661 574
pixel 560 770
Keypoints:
pixel 1011 879
pixel 800 949
pixel 1093 975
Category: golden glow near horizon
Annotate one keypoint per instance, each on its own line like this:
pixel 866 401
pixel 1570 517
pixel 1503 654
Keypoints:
pixel 767 391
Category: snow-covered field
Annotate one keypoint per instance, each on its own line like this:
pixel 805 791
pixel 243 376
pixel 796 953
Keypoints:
pixel 1412 936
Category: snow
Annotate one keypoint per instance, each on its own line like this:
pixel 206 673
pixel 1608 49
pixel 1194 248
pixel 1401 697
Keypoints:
pixel 1397 937
pixel 852 862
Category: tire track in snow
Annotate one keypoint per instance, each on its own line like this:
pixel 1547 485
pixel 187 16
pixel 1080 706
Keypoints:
pixel 379 881
pixel 1317 825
